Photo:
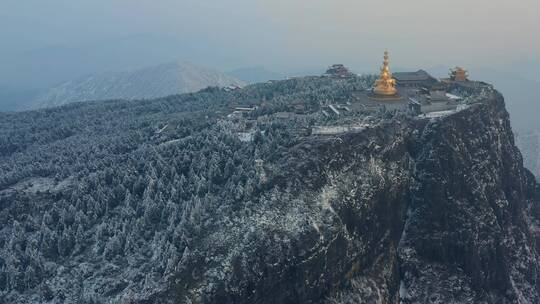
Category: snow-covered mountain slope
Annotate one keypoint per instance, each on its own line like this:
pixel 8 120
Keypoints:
pixel 161 201
pixel 151 82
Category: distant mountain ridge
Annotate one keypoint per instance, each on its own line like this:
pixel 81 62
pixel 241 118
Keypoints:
pixel 146 83
pixel 255 74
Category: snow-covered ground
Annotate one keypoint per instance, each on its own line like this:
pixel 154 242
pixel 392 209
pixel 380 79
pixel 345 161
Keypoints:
pixel 333 130
pixel 41 184
pixel 438 114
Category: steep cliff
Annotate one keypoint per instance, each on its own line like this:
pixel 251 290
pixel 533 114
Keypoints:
pixel 435 210
pixel 470 235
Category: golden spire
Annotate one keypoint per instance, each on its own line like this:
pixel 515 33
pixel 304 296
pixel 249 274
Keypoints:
pixel 385 85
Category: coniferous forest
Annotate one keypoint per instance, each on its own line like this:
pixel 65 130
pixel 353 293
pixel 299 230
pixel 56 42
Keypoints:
pixel 97 198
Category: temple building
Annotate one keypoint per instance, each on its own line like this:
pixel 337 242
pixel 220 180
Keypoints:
pixel 338 70
pixel 419 79
pixel 459 74
pixel 385 86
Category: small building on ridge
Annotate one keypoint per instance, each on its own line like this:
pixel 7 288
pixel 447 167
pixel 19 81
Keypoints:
pixel 419 78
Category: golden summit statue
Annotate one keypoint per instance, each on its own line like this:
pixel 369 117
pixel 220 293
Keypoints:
pixel 385 86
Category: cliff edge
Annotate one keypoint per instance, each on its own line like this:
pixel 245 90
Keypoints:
pixel 423 210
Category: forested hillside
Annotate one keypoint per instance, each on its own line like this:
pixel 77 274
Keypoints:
pixel 104 200
pixel 296 191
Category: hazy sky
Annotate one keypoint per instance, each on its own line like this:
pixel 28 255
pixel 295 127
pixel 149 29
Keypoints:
pixel 279 33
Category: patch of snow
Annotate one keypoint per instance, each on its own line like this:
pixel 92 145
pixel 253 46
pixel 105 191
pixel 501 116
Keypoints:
pixel 333 130
pixel 245 136
pixel 162 129
pixel 438 114
pixel 36 185
pixel 403 291
pixel 334 109
pixel 326 196
pixel 170 142
pixel 453 97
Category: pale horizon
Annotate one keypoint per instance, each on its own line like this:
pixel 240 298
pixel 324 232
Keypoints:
pixel 279 35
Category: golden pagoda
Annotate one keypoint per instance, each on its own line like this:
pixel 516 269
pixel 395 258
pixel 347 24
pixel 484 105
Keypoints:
pixel 385 86
pixel 459 74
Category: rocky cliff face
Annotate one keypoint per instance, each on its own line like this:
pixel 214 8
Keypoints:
pixel 470 234
pixel 410 211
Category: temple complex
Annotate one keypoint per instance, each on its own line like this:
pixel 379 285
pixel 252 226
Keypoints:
pixel 385 86
pixel 416 94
